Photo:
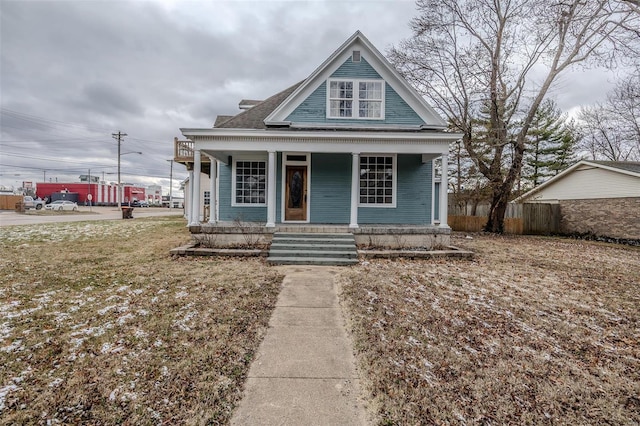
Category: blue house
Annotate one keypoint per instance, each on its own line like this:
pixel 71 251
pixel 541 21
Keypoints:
pixel 351 148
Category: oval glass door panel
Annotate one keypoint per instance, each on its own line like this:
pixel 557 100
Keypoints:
pixel 295 190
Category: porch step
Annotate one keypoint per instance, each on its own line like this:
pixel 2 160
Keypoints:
pixel 311 261
pixel 313 253
pixel 289 248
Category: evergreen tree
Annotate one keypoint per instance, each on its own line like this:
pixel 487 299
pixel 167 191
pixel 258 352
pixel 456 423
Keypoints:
pixel 550 146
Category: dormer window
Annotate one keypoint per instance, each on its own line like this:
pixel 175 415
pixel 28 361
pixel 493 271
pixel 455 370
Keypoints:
pixel 359 99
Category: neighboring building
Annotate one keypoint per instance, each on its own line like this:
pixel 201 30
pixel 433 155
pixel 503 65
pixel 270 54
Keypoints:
pixel 102 193
pixel 154 195
pixel 178 202
pixel 599 197
pixel 351 147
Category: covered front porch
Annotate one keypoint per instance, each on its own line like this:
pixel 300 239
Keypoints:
pixel 370 184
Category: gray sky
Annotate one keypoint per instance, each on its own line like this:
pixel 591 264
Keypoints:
pixel 73 72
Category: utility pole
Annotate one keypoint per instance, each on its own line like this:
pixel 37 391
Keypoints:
pixel 119 136
pixel 171 184
pixel 89 196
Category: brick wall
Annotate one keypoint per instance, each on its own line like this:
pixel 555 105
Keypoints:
pixel 610 217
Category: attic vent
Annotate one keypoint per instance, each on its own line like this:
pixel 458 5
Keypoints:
pixel 356 56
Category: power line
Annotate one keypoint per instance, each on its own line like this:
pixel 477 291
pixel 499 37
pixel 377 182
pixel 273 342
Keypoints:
pixel 11 154
pixel 30 140
pixel 46 121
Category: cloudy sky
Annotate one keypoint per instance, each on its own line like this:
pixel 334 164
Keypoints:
pixel 73 72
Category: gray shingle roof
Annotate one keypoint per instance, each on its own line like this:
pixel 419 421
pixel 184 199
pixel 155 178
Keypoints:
pixel 248 103
pixel 630 166
pixel 253 118
pixel 221 119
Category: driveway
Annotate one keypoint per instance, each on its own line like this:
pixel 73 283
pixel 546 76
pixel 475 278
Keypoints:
pixel 9 217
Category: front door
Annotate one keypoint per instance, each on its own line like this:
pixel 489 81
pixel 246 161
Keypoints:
pixel 295 206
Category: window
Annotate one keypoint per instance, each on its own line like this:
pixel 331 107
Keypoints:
pixel 377 180
pixel 250 182
pixel 207 198
pixel 356 99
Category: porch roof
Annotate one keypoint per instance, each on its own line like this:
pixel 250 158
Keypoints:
pixel 222 143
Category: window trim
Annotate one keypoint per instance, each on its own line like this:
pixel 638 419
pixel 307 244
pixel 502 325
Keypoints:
pixel 233 181
pixel 355 105
pixel 394 183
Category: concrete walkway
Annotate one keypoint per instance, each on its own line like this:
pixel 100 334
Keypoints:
pixel 304 371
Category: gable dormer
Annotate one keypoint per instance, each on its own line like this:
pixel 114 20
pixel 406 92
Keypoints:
pixel 355 87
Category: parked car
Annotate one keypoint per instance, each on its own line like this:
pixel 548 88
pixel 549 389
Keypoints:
pixel 62 205
pixel 139 203
pixel 33 203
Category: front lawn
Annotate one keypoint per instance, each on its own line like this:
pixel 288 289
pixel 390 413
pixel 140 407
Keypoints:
pixel 99 325
pixel 533 331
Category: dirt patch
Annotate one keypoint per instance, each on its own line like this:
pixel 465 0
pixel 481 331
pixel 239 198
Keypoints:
pixel 99 325
pixel 533 330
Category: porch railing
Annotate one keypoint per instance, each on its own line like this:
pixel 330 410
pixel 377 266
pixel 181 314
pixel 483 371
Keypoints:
pixel 183 150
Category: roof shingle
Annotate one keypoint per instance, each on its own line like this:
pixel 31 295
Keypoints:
pixel 630 166
pixel 253 118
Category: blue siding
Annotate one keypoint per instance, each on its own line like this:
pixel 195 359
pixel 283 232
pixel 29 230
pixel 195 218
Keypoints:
pixel 360 69
pixel 313 109
pixel 230 213
pixel 330 188
pixel 330 194
pixel 413 199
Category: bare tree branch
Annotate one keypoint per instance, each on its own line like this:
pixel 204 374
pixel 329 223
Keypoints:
pixel 479 62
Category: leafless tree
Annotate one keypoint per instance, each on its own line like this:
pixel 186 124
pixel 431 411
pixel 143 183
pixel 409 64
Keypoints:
pixel 612 128
pixel 494 61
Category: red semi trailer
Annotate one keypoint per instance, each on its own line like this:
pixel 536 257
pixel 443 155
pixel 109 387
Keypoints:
pixel 102 194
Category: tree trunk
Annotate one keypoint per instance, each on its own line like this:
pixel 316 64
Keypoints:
pixel 497 211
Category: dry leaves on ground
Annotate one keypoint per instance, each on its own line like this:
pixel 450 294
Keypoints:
pixel 534 330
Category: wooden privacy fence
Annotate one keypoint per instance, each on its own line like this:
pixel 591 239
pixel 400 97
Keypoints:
pixel 8 202
pixel 530 219
pixel 476 223
pixel 541 219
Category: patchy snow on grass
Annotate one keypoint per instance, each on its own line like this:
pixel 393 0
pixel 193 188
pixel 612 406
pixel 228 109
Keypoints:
pixel 15 346
pixel 71 231
pixel 5 331
pixel 123 319
pixel 103 343
pixel 55 383
pixel 4 391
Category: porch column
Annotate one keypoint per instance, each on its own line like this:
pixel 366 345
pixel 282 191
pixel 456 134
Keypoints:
pixel 196 216
pixel 188 201
pixel 355 193
pixel 444 186
pixel 212 190
pixel 271 190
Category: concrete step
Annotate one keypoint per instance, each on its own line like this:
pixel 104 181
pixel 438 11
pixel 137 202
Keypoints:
pixel 311 261
pixel 313 253
pixel 313 235
pixel 313 246
pixel 300 238
pixel 288 248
